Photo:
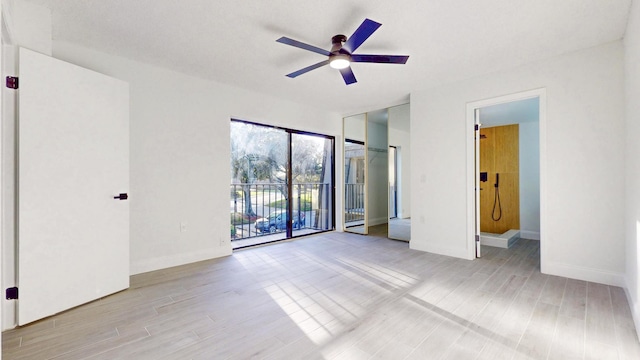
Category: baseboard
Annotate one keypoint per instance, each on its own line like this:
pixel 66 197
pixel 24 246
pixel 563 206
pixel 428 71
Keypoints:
pixel 452 252
pixel 530 235
pixel 378 221
pixel 635 310
pixel 164 262
pixel 585 274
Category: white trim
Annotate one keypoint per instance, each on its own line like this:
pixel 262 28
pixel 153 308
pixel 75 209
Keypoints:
pixel 476 181
pixel 586 274
pixel 452 252
pixel 541 94
pixel 164 262
pixel 378 221
pixel 634 307
pixel 2 165
pixel 471 170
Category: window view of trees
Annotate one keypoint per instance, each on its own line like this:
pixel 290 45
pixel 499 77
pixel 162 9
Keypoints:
pixel 259 179
pixel 258 153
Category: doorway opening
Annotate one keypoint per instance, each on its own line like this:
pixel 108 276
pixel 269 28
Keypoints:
pixel 504 192
pixel 281 183
pixel 506 170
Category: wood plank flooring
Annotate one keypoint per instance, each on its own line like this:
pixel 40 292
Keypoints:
pixel 343 296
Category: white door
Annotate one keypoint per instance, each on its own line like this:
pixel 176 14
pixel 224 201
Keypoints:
pixel 73 158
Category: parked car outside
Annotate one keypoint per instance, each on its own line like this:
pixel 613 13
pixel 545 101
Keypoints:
pixel 277 220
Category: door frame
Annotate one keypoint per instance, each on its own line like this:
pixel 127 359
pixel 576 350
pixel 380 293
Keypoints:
pixel 472 214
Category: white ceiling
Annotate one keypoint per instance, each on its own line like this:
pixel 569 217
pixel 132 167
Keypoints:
pixel 233 41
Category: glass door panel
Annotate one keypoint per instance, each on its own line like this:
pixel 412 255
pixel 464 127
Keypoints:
pixel 312 183
pixel 259 192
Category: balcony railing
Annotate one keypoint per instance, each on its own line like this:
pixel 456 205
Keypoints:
pixel 260 209
pixel 353 203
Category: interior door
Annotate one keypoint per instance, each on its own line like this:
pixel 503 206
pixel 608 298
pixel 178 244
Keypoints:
pixel 73 159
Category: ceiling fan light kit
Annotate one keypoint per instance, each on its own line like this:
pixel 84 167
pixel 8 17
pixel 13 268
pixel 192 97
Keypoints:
pixel 340 61
pixel 341 55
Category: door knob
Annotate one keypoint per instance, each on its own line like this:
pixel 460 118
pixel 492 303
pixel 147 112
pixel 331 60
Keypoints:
pixel 122 196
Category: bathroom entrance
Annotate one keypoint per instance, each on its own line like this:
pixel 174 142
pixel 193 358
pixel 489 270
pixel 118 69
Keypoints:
pixel 507 171
pixel 499 178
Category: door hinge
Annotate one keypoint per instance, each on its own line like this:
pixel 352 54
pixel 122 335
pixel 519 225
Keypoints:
pixel 476 127
pixel 12 293
pixel 12 82
pixel 477 238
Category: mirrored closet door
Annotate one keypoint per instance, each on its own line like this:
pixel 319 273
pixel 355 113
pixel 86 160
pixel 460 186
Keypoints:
pixel 377 173
pixel 399 173
pixel 355 171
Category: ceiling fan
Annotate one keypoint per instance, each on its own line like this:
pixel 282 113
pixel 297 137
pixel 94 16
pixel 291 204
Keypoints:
pixel 341 55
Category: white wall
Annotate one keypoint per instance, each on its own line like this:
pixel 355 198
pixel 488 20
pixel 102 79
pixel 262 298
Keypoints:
pixel 355 127
pixel 399 135
pixel 180 155
pixel 529 142
pixel 27 25
pixel 582 216
pixel 377 174
pixel 632 209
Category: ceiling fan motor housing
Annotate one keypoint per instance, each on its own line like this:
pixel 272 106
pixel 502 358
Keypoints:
pixel 338 39
pixel 337 42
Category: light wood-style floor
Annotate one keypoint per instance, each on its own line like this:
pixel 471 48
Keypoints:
pixel 344 296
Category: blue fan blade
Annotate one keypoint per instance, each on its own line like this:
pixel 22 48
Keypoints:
pixel 301 45
pixel 308 68
pixel 385 59
pixel 361 34
pixel 347 75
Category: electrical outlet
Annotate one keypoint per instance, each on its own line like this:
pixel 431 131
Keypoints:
pixel 183 227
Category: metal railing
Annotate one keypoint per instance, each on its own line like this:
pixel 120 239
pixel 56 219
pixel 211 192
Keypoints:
pixel 353 202
pixel 260 209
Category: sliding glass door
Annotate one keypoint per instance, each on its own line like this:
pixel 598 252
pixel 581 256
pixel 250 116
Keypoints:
pixel 281 183
pixel 312 179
